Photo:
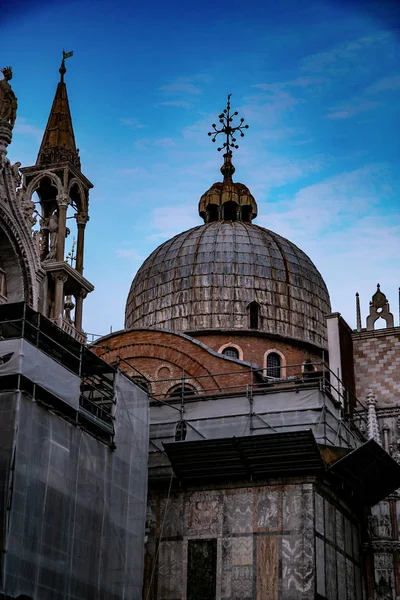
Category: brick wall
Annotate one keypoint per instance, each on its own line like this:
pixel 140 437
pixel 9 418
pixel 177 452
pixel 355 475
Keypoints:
pixel 254 348
pixel 163 355
pixel 377 364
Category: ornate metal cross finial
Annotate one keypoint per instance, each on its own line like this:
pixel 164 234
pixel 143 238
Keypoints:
pixel 226 119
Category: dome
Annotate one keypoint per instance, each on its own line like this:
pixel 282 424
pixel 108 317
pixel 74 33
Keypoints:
pixel 209 277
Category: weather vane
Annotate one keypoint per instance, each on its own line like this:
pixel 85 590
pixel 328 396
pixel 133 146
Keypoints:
pixel 227 128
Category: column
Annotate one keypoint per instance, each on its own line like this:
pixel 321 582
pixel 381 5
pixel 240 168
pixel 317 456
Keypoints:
pixel 81 220
pixel 59 280
pixel 79 298
pixel 62 226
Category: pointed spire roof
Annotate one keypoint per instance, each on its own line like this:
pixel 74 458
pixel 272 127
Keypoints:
pixel 58 143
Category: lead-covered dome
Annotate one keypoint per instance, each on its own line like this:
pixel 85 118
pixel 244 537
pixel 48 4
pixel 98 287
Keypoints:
pixel 214 276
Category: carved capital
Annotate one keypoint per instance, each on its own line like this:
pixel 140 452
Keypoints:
pixel 81 294
pixel 81 219
pixel 59 277
pixel 62 201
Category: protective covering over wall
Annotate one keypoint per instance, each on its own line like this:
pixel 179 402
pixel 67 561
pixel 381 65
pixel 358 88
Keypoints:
pixel 39 368
pixel 290 410
pixel 76 507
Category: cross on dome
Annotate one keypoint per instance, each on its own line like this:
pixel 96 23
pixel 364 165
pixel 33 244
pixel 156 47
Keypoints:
pixel 229 130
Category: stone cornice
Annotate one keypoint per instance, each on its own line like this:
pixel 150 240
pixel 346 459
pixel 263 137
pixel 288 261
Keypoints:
pixel 53 266
pixel 365 334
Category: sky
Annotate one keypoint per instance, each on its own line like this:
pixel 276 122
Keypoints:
pixel 317 82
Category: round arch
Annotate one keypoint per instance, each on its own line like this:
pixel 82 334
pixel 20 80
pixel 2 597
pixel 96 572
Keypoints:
pixel 282 357
pixel 231 345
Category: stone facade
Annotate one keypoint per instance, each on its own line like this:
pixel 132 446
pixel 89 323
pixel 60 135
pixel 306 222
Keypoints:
pixel 377 364
pixel 377 375
pixel 285 542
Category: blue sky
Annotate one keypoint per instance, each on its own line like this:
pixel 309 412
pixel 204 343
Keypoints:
pixel 318 83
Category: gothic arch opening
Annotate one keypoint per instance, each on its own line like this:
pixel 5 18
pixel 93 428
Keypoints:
pixel 13 275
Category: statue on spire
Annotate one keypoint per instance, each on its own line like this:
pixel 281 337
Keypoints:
pixel 226 119
pixel 8 100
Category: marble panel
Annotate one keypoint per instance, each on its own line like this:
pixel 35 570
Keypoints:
pixel 204 513
pixel 358 582
pixel 242 551
pixel 226 568
pixel 174 518
pixel 267 568
pixel 238 513
pixel 356 543
pixel 319 514
pixel 348 538
pixel 320 566
pixel 339 530
pixel 268 510
pixel 341 576
pixel 330 570
pixel 297 566
pixel 242 582
pixel 292 508
pixel 170 579
pixel 330 522
pixel 350 580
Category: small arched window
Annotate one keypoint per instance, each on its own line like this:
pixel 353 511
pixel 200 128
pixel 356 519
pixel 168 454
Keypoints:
pixel 254 315
pixel 273 365
pixel 179 391
pixel 231 352
pixel 180 431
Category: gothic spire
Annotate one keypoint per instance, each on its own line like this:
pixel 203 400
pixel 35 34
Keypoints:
pixel 58 143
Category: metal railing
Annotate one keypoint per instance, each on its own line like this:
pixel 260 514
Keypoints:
pixel 254 382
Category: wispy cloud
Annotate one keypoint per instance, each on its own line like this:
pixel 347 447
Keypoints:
pixel 339 223
pixel 341 58
pixel 130 254
pixel 176 103
pixel 145 143
pixel 181 86
pixel 345 111
pixel 164 227
pixel 23 127
pixel 134 123
pixel 384 85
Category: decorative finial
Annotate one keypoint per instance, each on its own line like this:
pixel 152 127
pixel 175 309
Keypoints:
pixel 358 312
pixel 62 70
pixel 226 119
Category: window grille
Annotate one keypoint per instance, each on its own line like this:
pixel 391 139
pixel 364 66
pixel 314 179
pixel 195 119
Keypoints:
pixel 273 365
pixel 231 352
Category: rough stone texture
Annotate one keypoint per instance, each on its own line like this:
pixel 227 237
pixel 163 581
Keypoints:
pixel 265 542
pixel 205 278
pixel 377 364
